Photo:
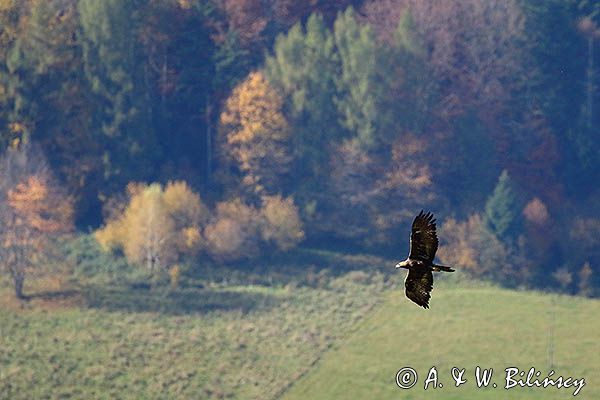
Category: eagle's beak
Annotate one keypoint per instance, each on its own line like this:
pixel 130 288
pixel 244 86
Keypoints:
pixel 401 264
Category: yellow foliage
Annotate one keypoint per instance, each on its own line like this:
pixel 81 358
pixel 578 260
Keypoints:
pixel 458 250
pixel 254 109
pixel 150 231
pixel 34 212
pixel 227 240
pixel 282 224
pixel 184 205
pixel 192 237
pixel 158 226
pixel 255 132
pixel 16 127
pixel 236 209
pixel 111 235
pixel 175 275
pixel 185 4
pixel 237 229
pixel 135 188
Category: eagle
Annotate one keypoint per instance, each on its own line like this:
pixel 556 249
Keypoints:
pixel 423 245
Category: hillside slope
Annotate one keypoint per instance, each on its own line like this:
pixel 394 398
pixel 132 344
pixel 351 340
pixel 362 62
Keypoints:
pixel 465 327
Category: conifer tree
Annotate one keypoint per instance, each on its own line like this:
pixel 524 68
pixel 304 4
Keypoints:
pixel 500 208
pixel 359 88
pixel 110 50
pixel 303 66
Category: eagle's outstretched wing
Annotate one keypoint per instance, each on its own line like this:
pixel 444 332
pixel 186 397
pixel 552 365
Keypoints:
pixel 423 238
pixel 419 283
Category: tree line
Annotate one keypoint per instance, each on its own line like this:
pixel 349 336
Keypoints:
pixel 183 129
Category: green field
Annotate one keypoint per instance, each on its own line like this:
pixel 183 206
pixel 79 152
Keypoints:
pixel 293 332
pixel 465 328
pixel 235 334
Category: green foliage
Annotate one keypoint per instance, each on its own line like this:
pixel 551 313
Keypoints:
pixel 477 172
pixel 405 71
pixel 570 102
pixel 110 51
pixel 38 57
pixel 304 65
pixel 501 211
pixel 546 22
pixel 359 84
pixel 90 262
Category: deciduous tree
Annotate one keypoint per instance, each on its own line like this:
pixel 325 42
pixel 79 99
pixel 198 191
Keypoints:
pixel 33 211
pixel 255 135
pixel 158 227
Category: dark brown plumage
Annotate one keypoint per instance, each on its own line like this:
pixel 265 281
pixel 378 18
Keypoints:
pixel 423 245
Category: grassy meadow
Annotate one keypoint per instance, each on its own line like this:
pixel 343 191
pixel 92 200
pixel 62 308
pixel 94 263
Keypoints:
pixel 316 326
pixel 467 326
pixel 234 334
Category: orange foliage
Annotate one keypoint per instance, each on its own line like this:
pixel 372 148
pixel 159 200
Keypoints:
pixel 35 211
pixel 536 212
pixel 234 233
pixel 39 208
pixel 470 246
pixel 255 133
pixel 239 231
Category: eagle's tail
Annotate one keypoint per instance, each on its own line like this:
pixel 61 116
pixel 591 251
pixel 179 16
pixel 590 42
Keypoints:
pixel 442 268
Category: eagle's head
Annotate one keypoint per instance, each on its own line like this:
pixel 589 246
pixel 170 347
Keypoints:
pixel 402 264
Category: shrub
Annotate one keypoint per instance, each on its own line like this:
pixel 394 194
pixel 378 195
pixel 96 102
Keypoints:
pixel 89 260
pixel 157 227
pixel 188 213
pixel 234 232
pixel 471 246
pixel 281 222
pixel 238 230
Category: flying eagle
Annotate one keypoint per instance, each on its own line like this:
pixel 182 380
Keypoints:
pixel 423 245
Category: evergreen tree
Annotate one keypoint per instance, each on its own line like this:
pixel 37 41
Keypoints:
pixel 359 84
pixel 10 15
pixel 563 42
pixel 411 92
pixel 110 51
pixel 303 66
pixel 501 208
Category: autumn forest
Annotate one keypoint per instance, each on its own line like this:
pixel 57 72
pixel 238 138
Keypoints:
pixel 168 133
